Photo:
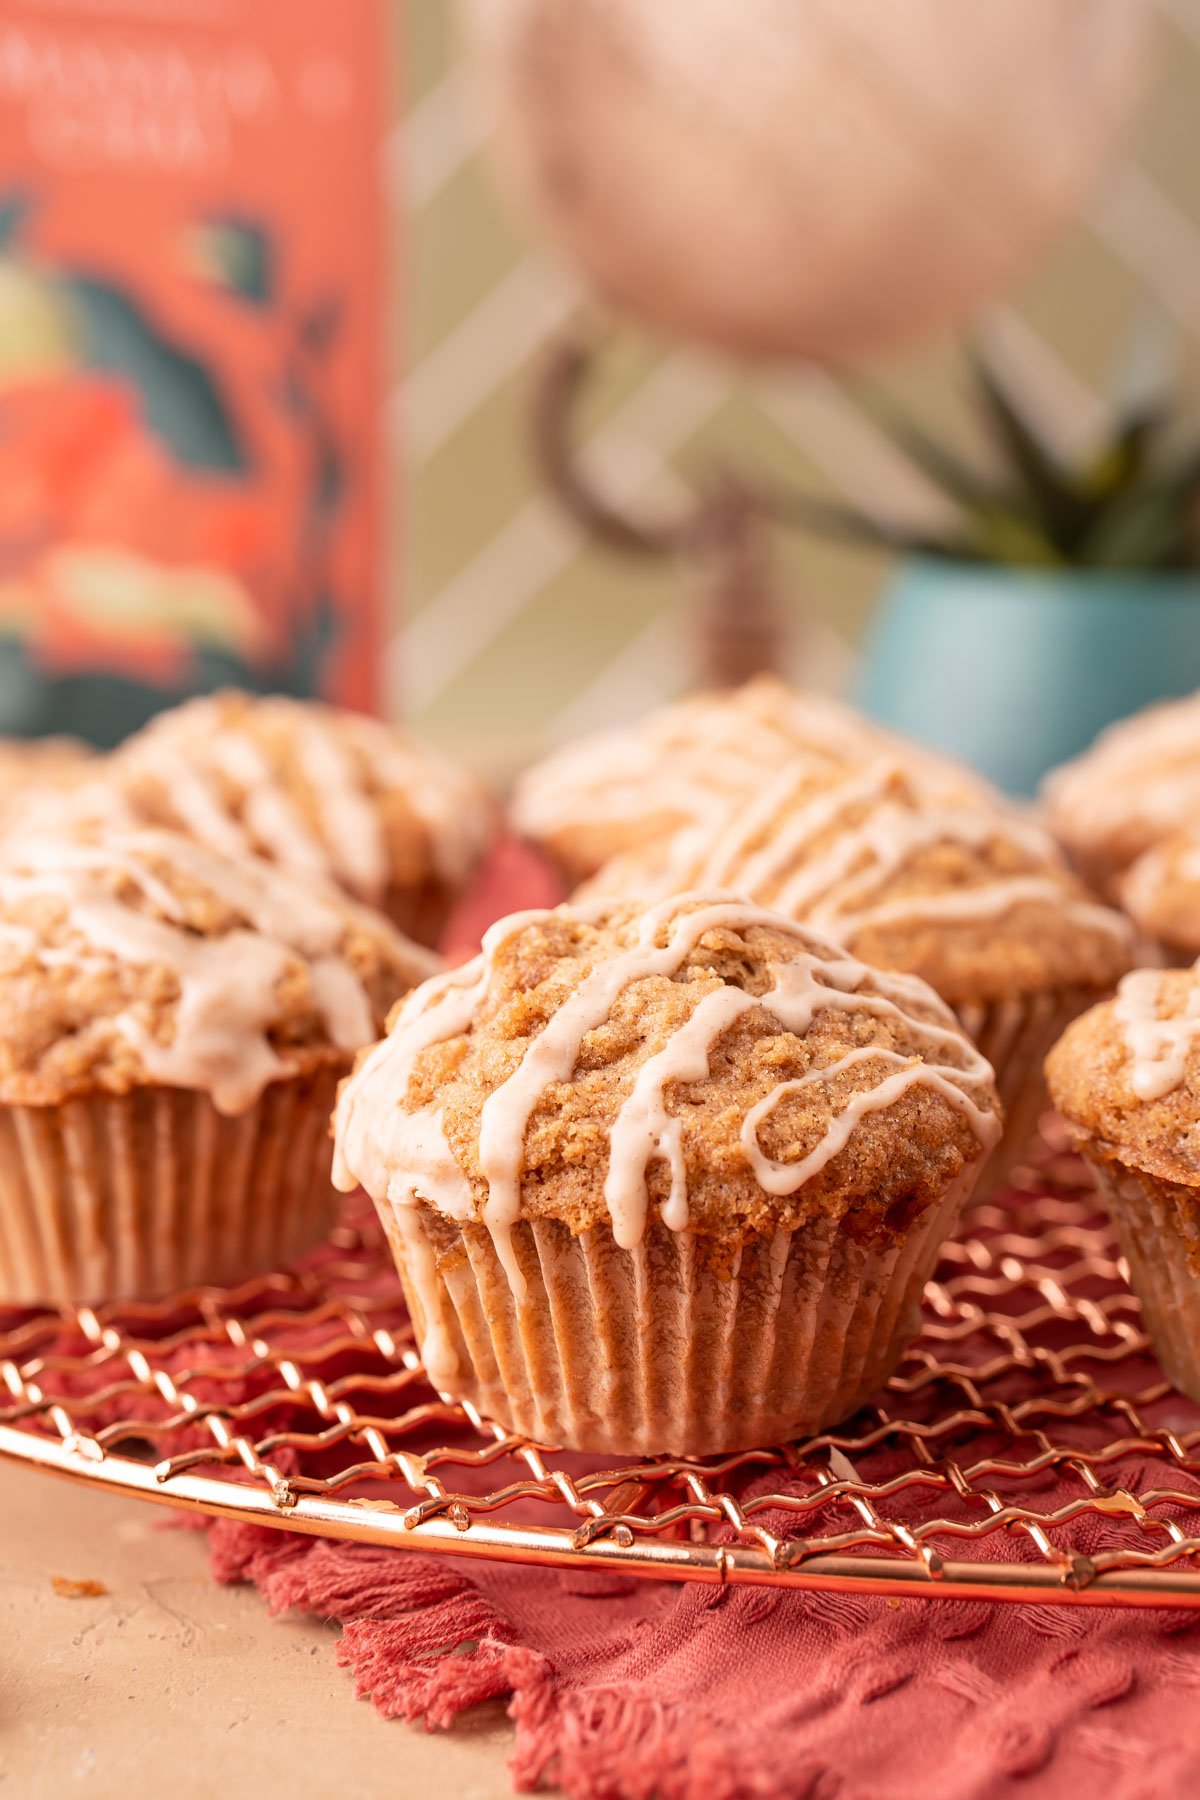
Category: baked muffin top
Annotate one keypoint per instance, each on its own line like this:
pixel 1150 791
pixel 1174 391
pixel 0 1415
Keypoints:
pixel 308 786
pixel 1161 892
pixel 972 898
pixel 34 768
pixel 682 765
pixel 1137 783
pixel 140 957
pixel 1128 1074
pixel 26 759
pixel 701 1060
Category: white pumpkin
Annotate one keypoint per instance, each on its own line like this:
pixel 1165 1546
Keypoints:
pixel 815 178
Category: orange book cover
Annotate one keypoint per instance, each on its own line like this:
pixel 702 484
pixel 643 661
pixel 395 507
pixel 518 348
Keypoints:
pixel 191 296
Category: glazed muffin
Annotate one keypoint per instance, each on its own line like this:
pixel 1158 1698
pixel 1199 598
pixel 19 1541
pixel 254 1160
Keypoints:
pixel 174 1028
pixel 1161 894
pixel 36 772
pixel 682 766
pixel 666 1179
pixel 1126 1078
pixel 974 900
pixel 309 787
pixel 1139 783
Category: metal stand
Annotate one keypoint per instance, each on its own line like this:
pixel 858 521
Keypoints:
pixel 298 1401
pixel 723 534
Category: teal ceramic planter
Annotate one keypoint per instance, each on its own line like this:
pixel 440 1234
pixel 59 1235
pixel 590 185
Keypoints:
pixel 1017 670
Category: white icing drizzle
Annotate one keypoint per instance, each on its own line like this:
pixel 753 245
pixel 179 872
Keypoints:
pixel 42 811
pixel 197 803
pixel 785 1178
pixel 1158 1048
pixel 964 905
pixel 351 822
pixel 422 1165
pixel 804 854
pixel 341 1000
pixel 688 760
pixel 368 1124
pixel 220 786
pixel 228 983
pixel 446 800
pixel 403 1156
pixel 645 1131
pixel 274 822
pixel 1142 772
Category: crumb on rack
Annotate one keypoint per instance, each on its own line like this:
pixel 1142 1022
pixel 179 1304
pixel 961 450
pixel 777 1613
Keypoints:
pixel 67 1588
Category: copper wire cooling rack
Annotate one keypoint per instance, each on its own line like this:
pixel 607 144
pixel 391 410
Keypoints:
pixel 1028 1449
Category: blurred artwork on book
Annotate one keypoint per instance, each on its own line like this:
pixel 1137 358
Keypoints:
pixel 191 275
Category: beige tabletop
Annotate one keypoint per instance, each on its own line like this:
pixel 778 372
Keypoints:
pixel 167 1684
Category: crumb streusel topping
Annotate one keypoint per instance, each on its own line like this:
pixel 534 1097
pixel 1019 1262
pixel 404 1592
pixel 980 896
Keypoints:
pixel 1138 783
pixel 1161 892
pixel 972 898
pixel 141 957
pixel 703 1060
pixel 308 786
pixel 1128 1074
pixel 682 766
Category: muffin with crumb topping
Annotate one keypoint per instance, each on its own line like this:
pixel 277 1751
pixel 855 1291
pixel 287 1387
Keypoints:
pixel 312 788
pixel 1161 893
pixel 1126 1078
pixel 1137 784
pixel 975 900
pixel 666 1178
pixel 682 767
pixel 174 1026
pixel 37 775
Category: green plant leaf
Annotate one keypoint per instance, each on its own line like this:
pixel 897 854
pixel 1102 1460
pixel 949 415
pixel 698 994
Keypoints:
pixel 1013 542
pixel 1063 512
pixel 1121 463
pixel 1155 524
pixel 180 399
pixel 953 476
pixel 1134 503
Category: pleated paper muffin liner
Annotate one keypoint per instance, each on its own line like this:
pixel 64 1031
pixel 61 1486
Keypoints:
pixel 123 1196
pixel 683 1344
pixel 1158 1228
pixel 1016 1037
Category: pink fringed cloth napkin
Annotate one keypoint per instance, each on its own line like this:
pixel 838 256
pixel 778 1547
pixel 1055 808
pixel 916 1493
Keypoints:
pixel 622 1689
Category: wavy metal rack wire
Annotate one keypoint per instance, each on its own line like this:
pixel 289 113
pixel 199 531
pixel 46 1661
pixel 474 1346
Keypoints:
pixel 1027 1416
